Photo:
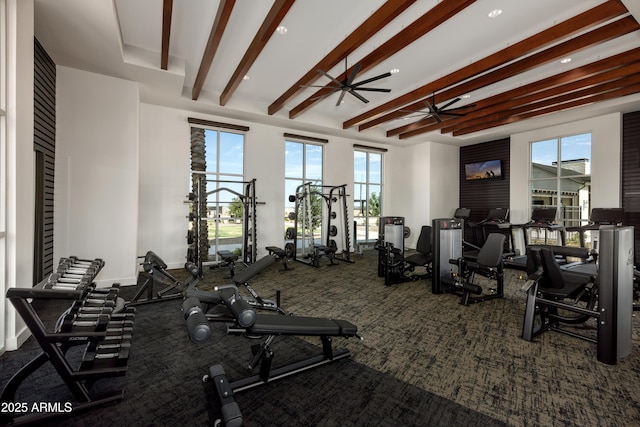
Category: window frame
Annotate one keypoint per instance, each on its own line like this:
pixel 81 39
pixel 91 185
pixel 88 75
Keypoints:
pixel 583 206
pixel 367 184
pixel 304 175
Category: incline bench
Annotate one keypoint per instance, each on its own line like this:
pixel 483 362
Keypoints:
pixel 248 323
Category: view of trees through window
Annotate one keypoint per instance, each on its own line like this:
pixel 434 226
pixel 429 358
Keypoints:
pixel 561 178
pixel 303 164
pixel 367 183
pixel 224 154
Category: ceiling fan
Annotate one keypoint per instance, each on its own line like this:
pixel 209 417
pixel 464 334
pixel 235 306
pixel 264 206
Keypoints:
pixel 434 111
pixel 347 85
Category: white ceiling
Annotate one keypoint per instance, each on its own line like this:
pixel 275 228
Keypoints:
pixel 122 38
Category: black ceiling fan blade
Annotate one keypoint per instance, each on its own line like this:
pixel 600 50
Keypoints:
pixel 371 89
pixel 360 97
pixel 356 70
pixel 340 97
pixel 326 95
pixel 372 79
pixel 462 108
pixel 335 88
pixel 448 113
pixel 339 83
pixel 444 107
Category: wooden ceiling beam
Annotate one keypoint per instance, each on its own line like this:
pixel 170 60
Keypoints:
pixel 167 11
pixel 440 13
pixel 599 35
pixel 276 14
pixel 516 106
pixel 589 18
pixel 215 35
pixel 616 62
pixel 378 20
pixel 622 87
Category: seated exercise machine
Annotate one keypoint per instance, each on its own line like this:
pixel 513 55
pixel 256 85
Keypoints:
pixel 245 321
pixel 155 270
pixel 488 263
pixel 557 298
pixel 392 262
pixel 96 319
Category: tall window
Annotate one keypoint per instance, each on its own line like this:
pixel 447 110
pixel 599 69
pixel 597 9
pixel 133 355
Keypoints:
pixel 303 164
pixel 561 177
pixel 224 160
pixel 367 200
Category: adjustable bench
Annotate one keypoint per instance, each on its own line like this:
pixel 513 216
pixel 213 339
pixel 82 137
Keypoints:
pixel 214 300
pixel 250 324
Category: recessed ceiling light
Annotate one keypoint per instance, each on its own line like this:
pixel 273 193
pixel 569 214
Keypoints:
pixel 281 29
pixel 565 60
pixel 246 77
pixel 495 13
pixel 395 71
pixel 467 96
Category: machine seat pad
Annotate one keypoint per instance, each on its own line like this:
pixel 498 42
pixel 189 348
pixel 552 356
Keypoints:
pixel 245 274
pixel 273 324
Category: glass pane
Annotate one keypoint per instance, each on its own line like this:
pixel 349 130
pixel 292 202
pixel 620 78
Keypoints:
pixel 313 160
pixel 575 200
pixel 293 160
pixel 359 166
pixel 544 153
pixel 544 193
pixel 373 200
pixel 231 153
pixel 211 149
pixel 575 152
pixel 375 168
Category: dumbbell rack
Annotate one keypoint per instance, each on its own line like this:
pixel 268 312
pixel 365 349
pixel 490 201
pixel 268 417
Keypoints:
pixel 96 319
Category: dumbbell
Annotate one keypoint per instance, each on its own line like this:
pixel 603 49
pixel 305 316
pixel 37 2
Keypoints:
pixel 95 324
pixel 197 324
pixel 105 355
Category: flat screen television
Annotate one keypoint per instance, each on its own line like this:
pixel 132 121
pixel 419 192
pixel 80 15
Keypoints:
pixel 491 169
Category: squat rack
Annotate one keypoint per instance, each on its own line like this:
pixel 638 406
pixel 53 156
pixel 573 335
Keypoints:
pixel 302 232
pixel 198 236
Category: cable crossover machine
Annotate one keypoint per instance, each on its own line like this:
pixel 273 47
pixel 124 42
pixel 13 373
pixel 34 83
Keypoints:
pixel 198 234
pixel 309 214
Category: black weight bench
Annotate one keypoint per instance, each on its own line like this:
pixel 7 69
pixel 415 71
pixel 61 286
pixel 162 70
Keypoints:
pixel 214 300
pixel 228 259
pixel 280 254
pixel 267 326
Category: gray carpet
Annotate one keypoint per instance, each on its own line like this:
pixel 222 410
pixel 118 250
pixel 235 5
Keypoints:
pixel 424 360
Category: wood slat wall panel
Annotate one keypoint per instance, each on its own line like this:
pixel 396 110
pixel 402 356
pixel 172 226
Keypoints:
pixel 631 174
pixel 44 142
pixel 482 195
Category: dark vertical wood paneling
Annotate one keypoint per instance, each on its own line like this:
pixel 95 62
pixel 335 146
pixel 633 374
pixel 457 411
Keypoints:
pixel 482 195
pixel 630 174
pixel 44 138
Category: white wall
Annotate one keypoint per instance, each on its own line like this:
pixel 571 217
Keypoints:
pixel 164 179
pixel 606 137
pixel 96 198
pixel 19 163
